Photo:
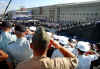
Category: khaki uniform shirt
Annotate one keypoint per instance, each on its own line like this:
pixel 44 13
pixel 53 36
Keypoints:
pixel 47 63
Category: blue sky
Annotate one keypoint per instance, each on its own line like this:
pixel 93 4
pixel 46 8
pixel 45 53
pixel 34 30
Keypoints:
pixel 16 4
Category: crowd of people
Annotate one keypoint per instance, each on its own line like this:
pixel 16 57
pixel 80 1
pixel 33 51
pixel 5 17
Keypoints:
pixel 33 47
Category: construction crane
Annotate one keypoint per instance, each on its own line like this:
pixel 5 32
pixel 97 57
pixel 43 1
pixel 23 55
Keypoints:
pixel 7 8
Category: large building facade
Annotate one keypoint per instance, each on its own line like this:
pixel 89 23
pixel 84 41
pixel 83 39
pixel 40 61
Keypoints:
pixel 75 12
pixel 72 18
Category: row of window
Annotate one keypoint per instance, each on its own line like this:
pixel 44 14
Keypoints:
pixel 90 14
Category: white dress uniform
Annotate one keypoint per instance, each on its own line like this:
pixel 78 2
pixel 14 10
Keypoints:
pixel 75 52
pixel 84 62
pixel 29 37
pixel 57 53
pixel 64 41
pixel 20 50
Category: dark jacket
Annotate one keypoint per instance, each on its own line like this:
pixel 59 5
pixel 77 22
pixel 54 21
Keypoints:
pixel 95 64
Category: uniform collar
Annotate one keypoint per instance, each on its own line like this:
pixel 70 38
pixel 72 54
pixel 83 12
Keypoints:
pixel 81 55
pixel 5 32
pixel 39 57
pixel 21 38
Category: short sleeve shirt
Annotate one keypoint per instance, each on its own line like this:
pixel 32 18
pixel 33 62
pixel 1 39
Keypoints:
pixel 6 38
pixel 85 61
pixel 20 50
pixel 47 63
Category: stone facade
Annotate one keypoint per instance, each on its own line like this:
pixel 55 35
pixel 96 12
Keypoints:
pixel 82 12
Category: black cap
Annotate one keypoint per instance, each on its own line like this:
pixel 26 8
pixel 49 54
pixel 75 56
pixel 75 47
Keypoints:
pixel 6 24
pixel 20 28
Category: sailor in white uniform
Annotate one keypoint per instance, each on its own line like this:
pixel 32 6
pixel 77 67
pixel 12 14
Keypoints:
pixel 84 61
pixel 6 36
pixel 65 44
pixel 20 50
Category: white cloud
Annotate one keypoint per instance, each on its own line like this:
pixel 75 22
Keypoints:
pixel 51 2
pixel 3 2
pixel 73 1
pixel 70 1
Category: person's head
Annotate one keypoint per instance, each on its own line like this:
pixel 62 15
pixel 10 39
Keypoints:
pixel 13 25
pixel 19 30
pixel 83 47
pixel 6 26
pixel 98 48
pixel 40 41
pixel 27 31
pixel 80 52
pixel 70 40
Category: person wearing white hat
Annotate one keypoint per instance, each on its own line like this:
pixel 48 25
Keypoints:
pixel 33 28
pixel 65 44
pixel 30 32
pixel 84 61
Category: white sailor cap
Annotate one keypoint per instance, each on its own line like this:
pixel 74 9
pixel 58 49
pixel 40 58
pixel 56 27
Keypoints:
pixel 83 46
pixel 33 28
